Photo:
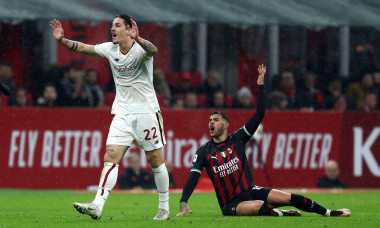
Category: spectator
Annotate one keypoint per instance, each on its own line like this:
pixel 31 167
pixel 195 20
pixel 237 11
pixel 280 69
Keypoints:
pixel 6 75
pixel 79 97
pixel 340 104
pixel 277 101
pixel 184 85
pixel 21 100
pixel 370 102
pixel 331 177
pixel 218 101
pixel 161 85
pixel 244 99
pixel 288 87
pixel 133 177
pixel 191 100
pixel 178 103
pixel 210 86
pixel 376 77
pixel 92 88
pixel 309 98
pixel 66 86
pixel 49 97
pixel 358 90
pixel 334 90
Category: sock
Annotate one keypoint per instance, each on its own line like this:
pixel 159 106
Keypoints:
pixel 107 181
pixel 161 177
pixel 306 204
pixel 332 213
pixel 266 211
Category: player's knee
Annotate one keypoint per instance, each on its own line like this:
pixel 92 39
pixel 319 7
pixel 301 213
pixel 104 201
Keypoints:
pixel 249 208
pixel 154 158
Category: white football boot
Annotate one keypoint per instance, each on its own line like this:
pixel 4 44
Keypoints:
pixel 89 209
pixel 162 214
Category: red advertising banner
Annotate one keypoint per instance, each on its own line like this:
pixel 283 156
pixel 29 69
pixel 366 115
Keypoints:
pixel 64 148
pixel 360 151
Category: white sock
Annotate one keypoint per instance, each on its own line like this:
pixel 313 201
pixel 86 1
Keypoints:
pixel 161 177
pixel 107 181
pixel 278 212
pixel 327 214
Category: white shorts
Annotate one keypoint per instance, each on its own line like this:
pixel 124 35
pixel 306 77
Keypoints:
pixel 146 129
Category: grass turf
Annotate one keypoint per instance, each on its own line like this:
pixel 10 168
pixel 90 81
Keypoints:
pixel 25 208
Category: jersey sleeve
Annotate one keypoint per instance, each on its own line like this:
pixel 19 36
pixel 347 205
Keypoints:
pixel 102 49
pixel 246 132
pixel 198 162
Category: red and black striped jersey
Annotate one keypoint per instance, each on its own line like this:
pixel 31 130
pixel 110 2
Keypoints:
pixel 226 164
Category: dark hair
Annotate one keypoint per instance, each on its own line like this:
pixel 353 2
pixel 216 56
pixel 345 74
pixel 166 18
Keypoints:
pixel 224 116
pixel 6 65
pixel 126 18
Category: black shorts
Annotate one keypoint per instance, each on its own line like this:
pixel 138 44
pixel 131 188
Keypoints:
pixel 253 193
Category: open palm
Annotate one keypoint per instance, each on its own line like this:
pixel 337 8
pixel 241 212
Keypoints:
pixel 56 26
pixel 262 69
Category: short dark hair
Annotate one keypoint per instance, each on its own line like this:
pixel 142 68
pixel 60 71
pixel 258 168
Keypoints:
pixel 126 18
pixel 224 116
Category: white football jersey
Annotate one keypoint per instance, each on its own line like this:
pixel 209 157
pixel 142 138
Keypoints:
pixel 133 76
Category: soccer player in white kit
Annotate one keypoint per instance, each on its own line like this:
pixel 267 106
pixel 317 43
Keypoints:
pixel 136 109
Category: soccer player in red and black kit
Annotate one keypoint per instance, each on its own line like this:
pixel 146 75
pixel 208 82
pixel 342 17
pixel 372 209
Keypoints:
pixel 227 166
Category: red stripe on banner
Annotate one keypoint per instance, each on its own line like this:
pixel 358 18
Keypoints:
pixel 105 178
pixel 243 177
pixel 159 124
pixel 217 181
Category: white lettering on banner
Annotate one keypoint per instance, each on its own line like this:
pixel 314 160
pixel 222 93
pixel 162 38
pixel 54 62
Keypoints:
pixel 47 147
pixel 32 136
pixel 362 151
pixel 286 157
pixel 174 157
pixel 55 148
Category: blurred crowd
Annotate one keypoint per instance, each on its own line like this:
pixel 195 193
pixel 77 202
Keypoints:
pixel 65 86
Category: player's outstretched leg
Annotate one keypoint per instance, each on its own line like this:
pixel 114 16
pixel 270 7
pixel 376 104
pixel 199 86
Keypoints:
pixel 306 204
pixel 107 181
pixel 161 178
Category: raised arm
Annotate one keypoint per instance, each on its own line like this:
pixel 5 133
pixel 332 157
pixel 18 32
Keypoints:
pixel 145 44
pixel 76 46
pixel 254 122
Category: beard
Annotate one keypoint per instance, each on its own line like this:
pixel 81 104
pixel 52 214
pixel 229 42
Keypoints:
pixel 217 133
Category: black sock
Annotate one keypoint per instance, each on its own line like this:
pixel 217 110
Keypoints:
pixel 266 211
pixel 336 213
pixel 306 204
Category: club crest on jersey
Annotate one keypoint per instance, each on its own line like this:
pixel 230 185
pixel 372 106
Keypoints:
pixel 223 154
pixel 229 150
pixel 195 158
pixel 117 60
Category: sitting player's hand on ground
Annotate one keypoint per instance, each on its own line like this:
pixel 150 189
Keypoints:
pixel 184 208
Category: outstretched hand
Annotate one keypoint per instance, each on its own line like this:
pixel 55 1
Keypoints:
pixel 262 69
pixel 134 31
pixel 56 26
pixel 184 209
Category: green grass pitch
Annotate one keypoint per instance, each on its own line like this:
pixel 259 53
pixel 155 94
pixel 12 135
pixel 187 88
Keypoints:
pixel 26 208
